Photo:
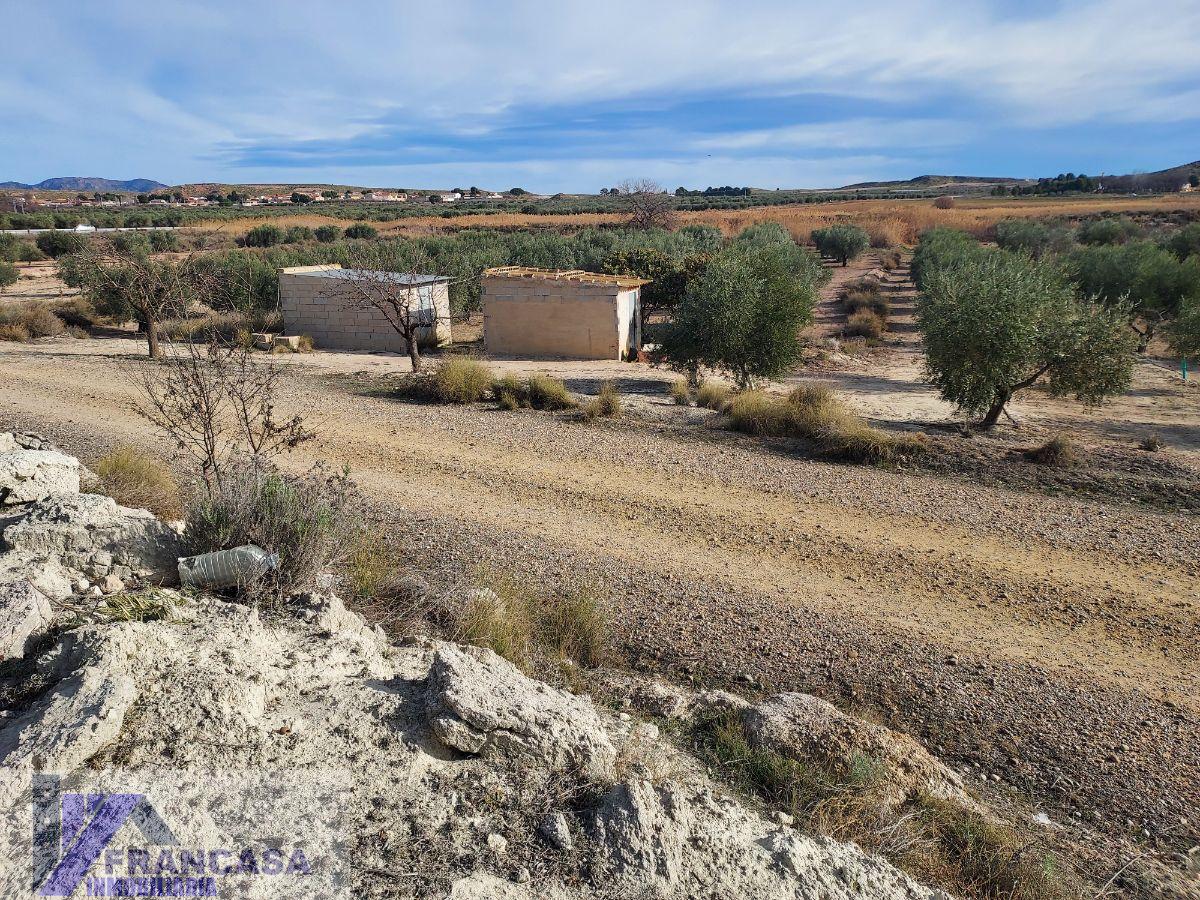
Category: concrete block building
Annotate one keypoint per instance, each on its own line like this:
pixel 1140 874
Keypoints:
pixel 323 303
pixel 567 314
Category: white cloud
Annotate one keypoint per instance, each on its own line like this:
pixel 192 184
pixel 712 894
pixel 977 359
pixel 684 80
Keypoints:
pixel 161 87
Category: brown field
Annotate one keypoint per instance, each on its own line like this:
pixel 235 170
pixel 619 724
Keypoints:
pixel 889 222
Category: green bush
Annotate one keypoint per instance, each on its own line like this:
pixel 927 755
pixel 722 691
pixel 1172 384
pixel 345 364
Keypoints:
pixel 266 235
pixel 1106 231
pixel 1185 242
pixel 8 275
pixel 59 243
pixel 1031 237
pixel 744 314
pixel 841 242
pixel 361 231
pixel 327 234
pixel 163 241
pixel 298 234
pixel 942 248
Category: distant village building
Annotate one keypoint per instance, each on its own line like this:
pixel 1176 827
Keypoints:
pixel 320 302
pixel 568 314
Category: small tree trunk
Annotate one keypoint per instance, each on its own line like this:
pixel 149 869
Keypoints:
pixel 152 339
pixel 414 352
pixel 993 414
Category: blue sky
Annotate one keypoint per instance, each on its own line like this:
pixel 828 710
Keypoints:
pixel 574 96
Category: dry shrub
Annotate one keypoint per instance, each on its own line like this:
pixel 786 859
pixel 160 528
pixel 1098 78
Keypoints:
pixel 1152 443
pixel 876 303
pixel 380 587
pixel 549 393
pixel 865 324
pixel 138 480
pixel 230 327
pixel 712 394
pixel 814 413
pixel 312 521
pixel 529 628
pixel 945 203
pixel 16 333
pixel 891 259
pixel 460 379
pixel 36 320
pixel 605 405
pixel 938 841
pixel 1060 451
pixel 534 392
pixel 76 314
pixel 681 395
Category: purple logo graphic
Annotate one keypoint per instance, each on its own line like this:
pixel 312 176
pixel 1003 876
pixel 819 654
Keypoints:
pixel 74 844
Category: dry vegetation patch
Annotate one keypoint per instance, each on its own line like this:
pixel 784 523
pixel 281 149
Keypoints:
pixel 138 480
pixel 815 414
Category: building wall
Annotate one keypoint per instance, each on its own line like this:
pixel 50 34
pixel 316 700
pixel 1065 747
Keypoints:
pixel 323 309
pixel 548 318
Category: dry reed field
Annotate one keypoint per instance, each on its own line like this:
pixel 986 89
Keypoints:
pixel 889 222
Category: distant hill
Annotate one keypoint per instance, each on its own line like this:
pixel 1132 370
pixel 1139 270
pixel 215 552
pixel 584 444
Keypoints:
pixel 137 185
pixel 1164 180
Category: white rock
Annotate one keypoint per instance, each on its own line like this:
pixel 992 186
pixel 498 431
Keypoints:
pixel 87 530
pixel 479 701
pixel 555 828
pixel 497 843
pixel 29 475
pixel 25 614
pixel 45 574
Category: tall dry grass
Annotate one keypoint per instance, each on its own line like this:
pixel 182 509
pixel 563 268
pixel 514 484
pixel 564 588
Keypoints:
pixel 888 222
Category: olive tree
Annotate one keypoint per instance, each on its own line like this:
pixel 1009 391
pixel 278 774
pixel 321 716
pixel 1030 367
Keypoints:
pixel 1185 330
pixel 743 314
pixel 841 242
pixel 1147 280
pixel 997 324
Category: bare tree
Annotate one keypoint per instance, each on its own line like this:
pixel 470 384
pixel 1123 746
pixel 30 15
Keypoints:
pixel 133 285
pixel 215 402
pixel 646 203
pixel 394 281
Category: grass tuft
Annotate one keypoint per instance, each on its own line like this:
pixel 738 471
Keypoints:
pixel 1060 451
pixel 865 324
pixel 712 395
pixel 27 321
pixel 681 395
pixel 605 405
pixel 460 379
pixel 814 413
pixel 1152 443
pixel 140 481
pixel 530 628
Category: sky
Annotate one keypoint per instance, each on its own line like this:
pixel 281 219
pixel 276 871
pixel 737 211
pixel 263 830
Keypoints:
pixel 575 96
